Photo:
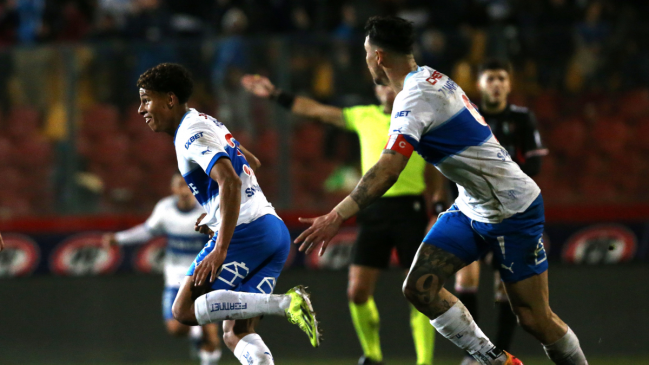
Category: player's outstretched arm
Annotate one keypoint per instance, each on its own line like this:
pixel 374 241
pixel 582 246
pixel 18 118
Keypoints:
pixel 302 106
pixel 136 235
pixel 230 194
pixel 371 187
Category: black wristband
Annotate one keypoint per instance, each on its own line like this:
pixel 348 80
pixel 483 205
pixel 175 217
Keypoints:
pixel 284 99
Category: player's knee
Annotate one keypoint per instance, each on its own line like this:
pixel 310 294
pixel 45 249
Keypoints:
pixel 358 295
pixel 422 290
pixel 230 339
pixel 183 314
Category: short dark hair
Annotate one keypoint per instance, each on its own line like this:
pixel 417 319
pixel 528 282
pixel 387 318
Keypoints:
pixel 495 64
pixel 168 77
pixel 390 32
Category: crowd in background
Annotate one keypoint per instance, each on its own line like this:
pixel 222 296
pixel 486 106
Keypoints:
pixel 582 66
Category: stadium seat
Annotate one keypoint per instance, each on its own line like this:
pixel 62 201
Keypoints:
pixel 6 150
pixel 634 103
pixel 32 153
pixel 23 123
pixel 568 138
pixel 110 149
pixel 640 134
pixel 99 120
pixel 610 135
pixel 546 107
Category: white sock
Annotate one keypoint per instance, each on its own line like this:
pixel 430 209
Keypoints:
pixel 458 326
pixel 566 351
pixel 251 350
pixel 209 358
pixel 221 305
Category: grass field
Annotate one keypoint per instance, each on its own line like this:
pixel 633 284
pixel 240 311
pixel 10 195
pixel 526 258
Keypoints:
pixel 442 361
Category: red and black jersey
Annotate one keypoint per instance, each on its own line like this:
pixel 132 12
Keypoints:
pixel 517 131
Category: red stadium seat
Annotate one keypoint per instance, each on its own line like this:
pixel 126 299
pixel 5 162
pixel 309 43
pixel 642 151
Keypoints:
pixel 33 153
pixel 110 149
pixel 610 135
pixel 546 107
pixel 23 123
pixel 634 103
pixel 99 120
pixel 6 150
pixel 568 138
pixel 641 134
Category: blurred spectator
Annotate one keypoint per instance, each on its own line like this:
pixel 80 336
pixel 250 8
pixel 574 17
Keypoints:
pixel 348 26
pixel 555 41
pixel 591 33
pixel 150 21
pixel 30 15
pixel 8 22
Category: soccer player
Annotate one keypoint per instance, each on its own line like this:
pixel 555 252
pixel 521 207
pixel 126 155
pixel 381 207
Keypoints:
pixel 499 207
pixel 233 277
pixel 380 229
pixel 516 130
pixel 175 217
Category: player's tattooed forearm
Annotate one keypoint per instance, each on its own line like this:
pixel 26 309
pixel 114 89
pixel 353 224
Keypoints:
pixel 389 152
pixel 372 186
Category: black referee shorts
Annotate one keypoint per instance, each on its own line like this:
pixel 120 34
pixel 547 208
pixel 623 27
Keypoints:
pixel 390 222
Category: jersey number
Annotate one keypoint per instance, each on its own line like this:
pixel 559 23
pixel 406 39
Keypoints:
pixel 472 109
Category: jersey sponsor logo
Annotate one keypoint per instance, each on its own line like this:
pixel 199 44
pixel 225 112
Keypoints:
pixel 248 170
pixel 252 190
pixel 436 76
pixel 449 87
pixel 83 254
pixel 20 256
pixel 601 244
pixel 230 140
pixel 192 139
pixel 226 306
pixel 403 113
pixel 398 143
pixel 474 111
pixel 206 151
pixel 151 256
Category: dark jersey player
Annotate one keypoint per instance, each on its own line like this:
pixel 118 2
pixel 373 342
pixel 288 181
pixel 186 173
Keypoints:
pixel 516 130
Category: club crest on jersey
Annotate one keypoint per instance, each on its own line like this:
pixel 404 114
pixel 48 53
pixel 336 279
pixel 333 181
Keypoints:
pixel 230 140
pixel 192 139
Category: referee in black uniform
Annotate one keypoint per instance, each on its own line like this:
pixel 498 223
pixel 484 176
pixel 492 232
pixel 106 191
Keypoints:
pixel 516 129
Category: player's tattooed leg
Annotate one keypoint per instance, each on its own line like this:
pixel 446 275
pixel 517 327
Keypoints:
pixel 424 285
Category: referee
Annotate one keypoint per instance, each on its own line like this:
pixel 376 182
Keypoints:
pixel 516 129
pixel 399 219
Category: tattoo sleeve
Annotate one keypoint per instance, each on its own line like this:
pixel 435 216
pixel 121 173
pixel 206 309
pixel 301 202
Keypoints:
pixel 377 180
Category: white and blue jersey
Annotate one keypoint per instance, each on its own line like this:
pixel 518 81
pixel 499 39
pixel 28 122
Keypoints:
pixel 434 115
pixel 201 141
pixel 261 242
pixel 499 207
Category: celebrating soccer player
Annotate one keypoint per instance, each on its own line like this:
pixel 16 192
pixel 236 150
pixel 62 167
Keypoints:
pixel 515 129
pixel 175 217
pixel 233 277
pixel 498 208
pixel 380 229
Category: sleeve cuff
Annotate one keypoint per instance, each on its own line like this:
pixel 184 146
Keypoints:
pixel 213 161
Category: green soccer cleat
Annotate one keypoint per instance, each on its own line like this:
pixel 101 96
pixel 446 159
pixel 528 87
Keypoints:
pixel 300 312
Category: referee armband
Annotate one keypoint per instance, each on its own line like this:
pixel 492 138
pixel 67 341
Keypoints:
pixel 398 143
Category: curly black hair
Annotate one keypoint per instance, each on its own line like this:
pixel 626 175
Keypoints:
pixel 495 64
pixel 168 77
pixel 390 32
